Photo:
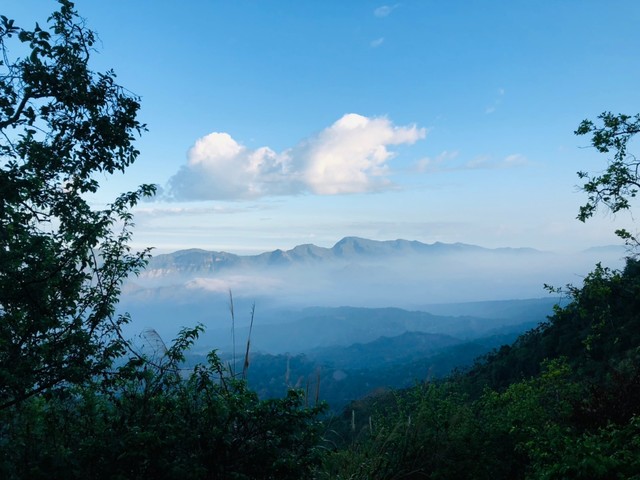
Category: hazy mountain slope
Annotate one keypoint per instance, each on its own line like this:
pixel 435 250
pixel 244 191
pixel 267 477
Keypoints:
pixel 522 309
pixel 348 373
pixel 384 351
pixel 191 286
pixel 321 327
pixel 346 250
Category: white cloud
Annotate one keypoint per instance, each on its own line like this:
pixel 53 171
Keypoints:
pixel 385 10
pixel 515 160
pixel 350 156
pixel 485 162
pixel 175 211
pixel 444 162
pixel 496 102
pixel 220 167
pixel 377 42
pixel 437 164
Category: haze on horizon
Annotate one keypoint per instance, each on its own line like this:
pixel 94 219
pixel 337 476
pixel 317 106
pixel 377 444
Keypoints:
pixel 283 123
pixel 194 286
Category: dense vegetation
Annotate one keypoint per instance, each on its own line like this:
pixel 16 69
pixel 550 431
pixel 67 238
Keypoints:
pixel 79 401
pixel 561 402
pixel 150 419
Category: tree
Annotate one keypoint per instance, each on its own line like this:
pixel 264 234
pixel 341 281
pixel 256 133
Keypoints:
pixel 620 182
pixel 62 261
pixel 67 410
pixel 157 419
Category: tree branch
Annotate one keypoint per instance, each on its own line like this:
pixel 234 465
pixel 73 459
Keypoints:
pixel 16 116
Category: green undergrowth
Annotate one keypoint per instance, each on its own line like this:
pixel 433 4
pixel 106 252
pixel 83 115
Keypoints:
pixel 561 402
pixel 149 419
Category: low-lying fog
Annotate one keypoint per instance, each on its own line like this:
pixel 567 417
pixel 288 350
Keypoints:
pixel 188 287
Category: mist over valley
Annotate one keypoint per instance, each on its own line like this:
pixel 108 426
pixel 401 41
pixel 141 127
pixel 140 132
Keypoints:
pixel 356 317
pixel 354 272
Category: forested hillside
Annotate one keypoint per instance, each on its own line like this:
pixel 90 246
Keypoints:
pixel 561 402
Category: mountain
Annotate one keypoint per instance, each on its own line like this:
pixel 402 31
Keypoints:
pixel 525 310
pixel 322 333
pixel 193 286
pixel 347 373
pixel 349 249
pixel 384 351
pixel 314 328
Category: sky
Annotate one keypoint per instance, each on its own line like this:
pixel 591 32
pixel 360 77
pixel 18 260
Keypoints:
pixel 278 123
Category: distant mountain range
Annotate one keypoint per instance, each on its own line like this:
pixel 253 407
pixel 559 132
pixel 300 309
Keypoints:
pixel 349 249
pixel 356 351
pixel 355 314
pixel 317 328
pixel 191 286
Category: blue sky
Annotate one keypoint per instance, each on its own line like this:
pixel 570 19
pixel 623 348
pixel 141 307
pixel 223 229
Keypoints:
pixel 276 123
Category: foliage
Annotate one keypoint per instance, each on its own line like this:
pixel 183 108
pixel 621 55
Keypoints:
pixel 154 420
pixel 608 452
pixel 61 261
pixel 620 182
pixel 597 331
pixel 561 402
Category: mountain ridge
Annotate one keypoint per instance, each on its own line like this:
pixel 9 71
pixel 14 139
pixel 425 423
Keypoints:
pixel 348 248
pixel 195 284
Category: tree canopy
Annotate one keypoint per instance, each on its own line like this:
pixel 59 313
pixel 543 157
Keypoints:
pixel 62 261
pixel 618 184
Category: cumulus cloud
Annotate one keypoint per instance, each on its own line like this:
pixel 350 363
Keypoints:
pixel 220 167
pixel 350 156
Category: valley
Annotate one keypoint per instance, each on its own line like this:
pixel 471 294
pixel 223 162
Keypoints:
pixel 346 321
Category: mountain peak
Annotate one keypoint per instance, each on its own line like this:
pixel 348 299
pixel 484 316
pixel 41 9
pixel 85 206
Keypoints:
pixel 355 245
